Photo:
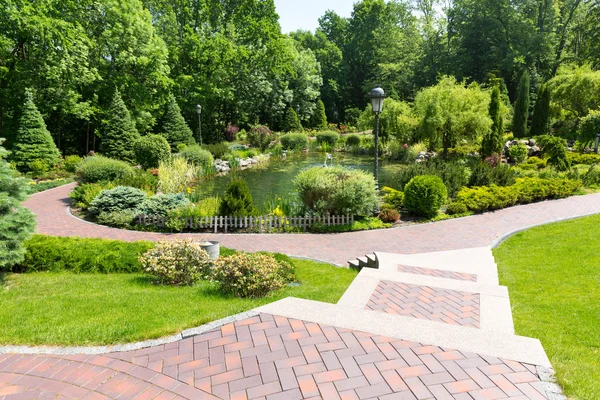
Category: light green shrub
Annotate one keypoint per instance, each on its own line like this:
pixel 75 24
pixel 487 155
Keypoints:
pixel 352 140
pixel 208 207
pixel 71 163
pixel 424 195
pixel 118 219
pixel 518 153
pixel 237 201
pixel 175 177
pixel 197 156
pixel 329 138
pixel 150 150
pixel 456 208
pixel 97 168
pixel 393 197
pixel 218 150
pixel 85 193
pixel 294 141
pixel 121 198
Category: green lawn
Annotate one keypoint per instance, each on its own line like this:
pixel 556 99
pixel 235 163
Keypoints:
pixel 86 309
pixel 553 274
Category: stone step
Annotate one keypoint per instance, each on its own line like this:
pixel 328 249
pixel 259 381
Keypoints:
pixel 368 261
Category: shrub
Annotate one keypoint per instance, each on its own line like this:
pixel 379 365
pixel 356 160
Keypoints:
pixel 97 168
pixel 179 262
pixel 118 219
pixel 208 207
pixel 71 163
pixel 480 199
pixel 319 118
pixel 589 127
pixel 260 137
pixel 536 162
pixel 481 175
pixel 197 155
pixel 389 216
pixel 294 141
pixel 587 159
pixel 176 176
pixel 330 138
pixel 556 149
pixel 537 189
pixel 150 150
pixel 121 198
pixel 161 204
pixel 251 275
pixel 424 195
pixel 48 253
pixel 456 209
pixel 218 150
pixel 138 178
pixel 231 132
pixel 592 177
pixel 393 197
pixel 363 224
pixel 291 123
pixel 452 174
pixel 238 200
pixel 85 193
pixel 352 140
pixel 120 133
pixel 337 191
pixel 503 175
pixel 518 153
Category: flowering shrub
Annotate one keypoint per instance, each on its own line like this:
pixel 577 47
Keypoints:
pixel 180 262
pixel 251 275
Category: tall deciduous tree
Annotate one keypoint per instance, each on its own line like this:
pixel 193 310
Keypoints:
pixel 521 115
pixel 540 122
pixel 120 134
pixel 174 127
pixel 492 142
pixel 33 141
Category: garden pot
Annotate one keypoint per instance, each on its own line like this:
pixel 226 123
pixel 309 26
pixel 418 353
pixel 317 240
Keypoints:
pixel 212 248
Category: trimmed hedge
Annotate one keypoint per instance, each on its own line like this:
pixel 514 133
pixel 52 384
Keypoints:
pixel 328 137
pixel 98 168
pixel 294 141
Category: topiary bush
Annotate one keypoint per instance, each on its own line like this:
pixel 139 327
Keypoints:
pixel 161 204
pixel 150 150
pixel 238 200
pixel 424 195
pixel 260 137
pixel 97 168
pixel 337 191
pixel 178 262
pixel 294 141
pixel 197 155
pixel 121 198
pixel 518 153
pixel 251 275
pixel 353 140
pixel 329 137
pixel 218 150
pixel 389 215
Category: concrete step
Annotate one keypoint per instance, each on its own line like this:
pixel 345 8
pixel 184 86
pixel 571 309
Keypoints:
pixel 368 261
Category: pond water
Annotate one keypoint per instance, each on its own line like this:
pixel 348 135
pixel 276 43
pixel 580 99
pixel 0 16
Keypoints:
pixel 275 179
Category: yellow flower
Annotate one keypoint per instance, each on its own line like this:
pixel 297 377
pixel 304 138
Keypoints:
pixel 189 190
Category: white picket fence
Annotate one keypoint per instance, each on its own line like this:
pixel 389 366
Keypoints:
pixel 263 224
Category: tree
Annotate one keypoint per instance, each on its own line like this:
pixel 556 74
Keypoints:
pixel 16 222
pixel 522 107
pixel 589 127
pixel 33 142
pixel 174 127
pixel 238 200
pixel 540 122
pixel 319 119
pixel 120 134
pixel 291 123
pixel 492 142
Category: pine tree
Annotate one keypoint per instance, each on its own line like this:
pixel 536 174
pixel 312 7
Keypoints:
pixel 492 142
pixel 522 107
pixel 120 133
pixel 541 112
pixel 16 222
pixel 33 141
pixel 238 200
pixel 319 118
pixel 175 129
pixel 291 123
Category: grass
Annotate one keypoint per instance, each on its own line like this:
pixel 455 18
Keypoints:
pixel 98 309
pixel 553 274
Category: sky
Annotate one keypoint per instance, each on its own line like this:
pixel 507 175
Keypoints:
pixel 304 14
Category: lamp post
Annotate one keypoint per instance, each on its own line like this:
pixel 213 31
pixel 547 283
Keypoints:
pixel 597 142
pixel 199 112
pixel 377 97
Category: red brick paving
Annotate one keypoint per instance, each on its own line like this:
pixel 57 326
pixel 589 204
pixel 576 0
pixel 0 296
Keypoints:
pixel 476 231
pixel 442 305
pixel 438 273
pixel 270 357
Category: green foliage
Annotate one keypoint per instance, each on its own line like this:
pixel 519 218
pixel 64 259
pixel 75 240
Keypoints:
pixel 56 254
pixel 208 207
pixel 47 185
pixel 536 162
pixel 591 178
pixel 294 141
pixel 587 159
pixel 33 143
pixel 71 163
pixel 85 193
pixel 319 118
pixel 237 201
pixel 540 122
pixel 121 198
pixel 251 275
pixel 353 140
pixel 329 138
pixel 120 133
pixel 389 215
pixel 397 121
pixel 575 90
pixel 493 141
pixel 518 153
pixel 161 204
pixel 589 127
pixel 424 195
pixel 454 175
pixel 218 150
pixel 483 174
pixel 174 127
pixel 260 137
pixel 521 114
pixel 16 222
pixel 97 168
pixel 179 262
pixel 138 178
pixel 199 156
pixel 337 191
pixel 118 219
pixel 291 123
pixel 175 177
pixel 150 150
pixel 362 224
pixel 456 209
pixel 393 198
pixel 556 149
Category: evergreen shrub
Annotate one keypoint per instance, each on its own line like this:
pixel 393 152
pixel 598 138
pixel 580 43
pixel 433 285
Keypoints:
pixel 424 195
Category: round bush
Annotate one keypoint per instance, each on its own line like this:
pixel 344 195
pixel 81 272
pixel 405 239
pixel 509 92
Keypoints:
pixel 337 191
pixel 518 153
pixel 424 195
pixel 329 137
pixel 97 168
pixel 197 155
pixel 389 216
pixel 71 163
pixel 251 275
pixel 294 141
pixel 353 140
pixel 161 204
pixel 456 208
pixel 121 198
pixel 260 137
pixel 151 150
pixel 178 262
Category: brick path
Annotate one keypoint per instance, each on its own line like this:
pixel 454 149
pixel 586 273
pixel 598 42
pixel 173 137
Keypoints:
pixel 51 208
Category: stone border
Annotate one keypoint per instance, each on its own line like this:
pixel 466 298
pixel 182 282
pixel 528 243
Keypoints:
pixel 55 350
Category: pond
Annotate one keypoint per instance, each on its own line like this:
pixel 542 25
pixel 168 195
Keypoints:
pixel 275 179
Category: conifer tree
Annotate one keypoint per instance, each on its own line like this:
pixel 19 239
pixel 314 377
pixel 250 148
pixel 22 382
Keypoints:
pixel 16 222
pixel 120 133
pixel 175 129
pixel 521 107
pixel 492 142
pixel 33 141
pixel 319 118
pixel 541 112
pixel 291 123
